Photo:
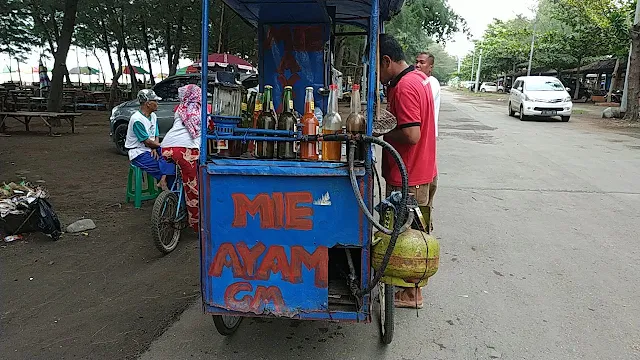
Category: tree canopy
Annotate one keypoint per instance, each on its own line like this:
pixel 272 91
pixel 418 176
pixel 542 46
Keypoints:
pixel 568 34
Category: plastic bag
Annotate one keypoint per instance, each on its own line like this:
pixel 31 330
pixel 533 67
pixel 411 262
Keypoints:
pixel 48 221
pixel 39 217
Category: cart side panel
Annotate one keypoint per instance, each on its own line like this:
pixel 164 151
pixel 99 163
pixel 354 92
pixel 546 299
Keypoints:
pixel 266 237
pixel 293 55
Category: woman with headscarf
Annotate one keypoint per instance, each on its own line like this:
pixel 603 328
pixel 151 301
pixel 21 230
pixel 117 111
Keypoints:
pixel 182 145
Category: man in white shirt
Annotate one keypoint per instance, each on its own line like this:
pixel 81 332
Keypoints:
pixel 424 63
pixel 142 140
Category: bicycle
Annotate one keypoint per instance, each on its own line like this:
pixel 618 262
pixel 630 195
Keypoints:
pixel 169 216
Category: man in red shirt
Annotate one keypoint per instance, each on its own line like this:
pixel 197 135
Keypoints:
pixel 410 100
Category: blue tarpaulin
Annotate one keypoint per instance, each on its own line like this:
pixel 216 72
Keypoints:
pixel 311 11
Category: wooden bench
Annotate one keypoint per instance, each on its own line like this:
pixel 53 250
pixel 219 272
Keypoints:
pixel 25 117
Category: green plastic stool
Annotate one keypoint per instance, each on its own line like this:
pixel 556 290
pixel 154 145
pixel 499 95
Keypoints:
pixel 135 191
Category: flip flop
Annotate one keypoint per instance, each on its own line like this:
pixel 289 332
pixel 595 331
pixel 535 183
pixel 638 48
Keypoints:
pixel 406 304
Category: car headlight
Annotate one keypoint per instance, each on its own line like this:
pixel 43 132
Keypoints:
pixel 526 98
pixel 567 99
pixel 113 112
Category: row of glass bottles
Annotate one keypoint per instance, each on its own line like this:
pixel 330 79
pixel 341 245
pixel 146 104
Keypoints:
pixel 260 114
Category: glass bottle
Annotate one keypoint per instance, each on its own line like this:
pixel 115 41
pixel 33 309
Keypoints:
pixel 356 123
pixel 257 110
pixel 286 121
pixel 247 120
pixel 310 124
pixel 332 124
pixel 266 121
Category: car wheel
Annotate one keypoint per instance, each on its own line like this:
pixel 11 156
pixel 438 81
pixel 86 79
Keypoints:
pixel 565 118
pixel 522 117
pixel 483 90
pixel 511 112
pixel 119 137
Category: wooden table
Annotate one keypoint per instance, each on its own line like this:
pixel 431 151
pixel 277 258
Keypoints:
pixel 25 117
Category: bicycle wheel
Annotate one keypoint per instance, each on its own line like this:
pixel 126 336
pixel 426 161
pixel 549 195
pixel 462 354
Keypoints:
pixel 165 229
pixel 387 308
pixel 227 324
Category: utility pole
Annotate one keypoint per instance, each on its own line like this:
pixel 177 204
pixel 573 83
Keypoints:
pixel 623 103
pixel 533 41
pixel 478 71
pixel 473 62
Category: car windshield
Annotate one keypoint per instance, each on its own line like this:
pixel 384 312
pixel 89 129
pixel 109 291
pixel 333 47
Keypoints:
pixel 548 85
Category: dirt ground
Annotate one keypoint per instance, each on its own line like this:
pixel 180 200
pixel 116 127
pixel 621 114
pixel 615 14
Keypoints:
pixel 109 294
pixel 106 295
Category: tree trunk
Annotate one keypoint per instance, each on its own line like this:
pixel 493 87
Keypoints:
pixel 132 72
pixel 173 67
pixel 64 42
pixel 577 89
pixel 147 50
pixel 221 26
pixel 614 79
pixel 340 48
pixel 116 76
pixel 104 81
pixel 168 49
pixel 19 73
pixel 107 47
pixel 634 76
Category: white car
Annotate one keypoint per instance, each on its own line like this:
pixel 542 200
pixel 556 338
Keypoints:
pixel 489 87
pixel 540 96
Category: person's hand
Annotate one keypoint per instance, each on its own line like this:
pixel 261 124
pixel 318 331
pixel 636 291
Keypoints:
pixel 155 154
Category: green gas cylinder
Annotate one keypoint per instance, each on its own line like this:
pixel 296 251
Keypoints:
pixel 415 258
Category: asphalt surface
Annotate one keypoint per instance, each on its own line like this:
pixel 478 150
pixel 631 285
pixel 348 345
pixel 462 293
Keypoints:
pixel 540 232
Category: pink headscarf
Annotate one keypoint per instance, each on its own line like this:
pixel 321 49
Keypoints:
pixel 190 107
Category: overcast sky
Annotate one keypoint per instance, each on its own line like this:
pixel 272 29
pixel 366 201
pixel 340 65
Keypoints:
pixel 479 13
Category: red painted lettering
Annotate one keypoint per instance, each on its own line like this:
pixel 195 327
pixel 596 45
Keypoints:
pixel 276 211
pixel 262 204
pixel 230 296
pixel 256 303
pixel 226 257
pixel 298 218
pixel 266 295
pixel 278 205
pixel 275 261
pixel 245 262
pixel 249 257
pixel 318 261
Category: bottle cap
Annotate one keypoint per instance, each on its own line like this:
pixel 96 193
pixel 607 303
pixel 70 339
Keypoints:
pixel 333 87
pixel 268 87
pixel 356 87
pixel 309 88
pixel 288 87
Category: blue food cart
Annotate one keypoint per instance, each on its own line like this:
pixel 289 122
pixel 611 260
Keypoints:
pixel 292 238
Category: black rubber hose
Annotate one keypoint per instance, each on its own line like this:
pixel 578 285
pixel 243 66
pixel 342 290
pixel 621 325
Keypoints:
pixel 406 222
pixel 401 210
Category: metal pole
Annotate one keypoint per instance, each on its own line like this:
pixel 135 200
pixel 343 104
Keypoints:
pixel 623 103
pixel 533 40
pixel 473 62
pixel 478 71
pixel 204 55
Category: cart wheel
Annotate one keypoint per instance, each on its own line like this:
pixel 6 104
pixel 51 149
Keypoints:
pixel 387 308
pixel 165 230
pixel 227 324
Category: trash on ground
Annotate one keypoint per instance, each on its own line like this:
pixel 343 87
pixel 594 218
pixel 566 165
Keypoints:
pixel 12 238
pixel 24 208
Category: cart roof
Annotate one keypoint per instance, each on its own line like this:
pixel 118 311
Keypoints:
pixel 354 12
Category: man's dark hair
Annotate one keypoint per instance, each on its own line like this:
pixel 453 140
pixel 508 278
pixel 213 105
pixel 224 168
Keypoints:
pixel 429 56
pixel 390 47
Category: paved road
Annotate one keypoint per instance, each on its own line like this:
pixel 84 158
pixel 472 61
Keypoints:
pixel 539 225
